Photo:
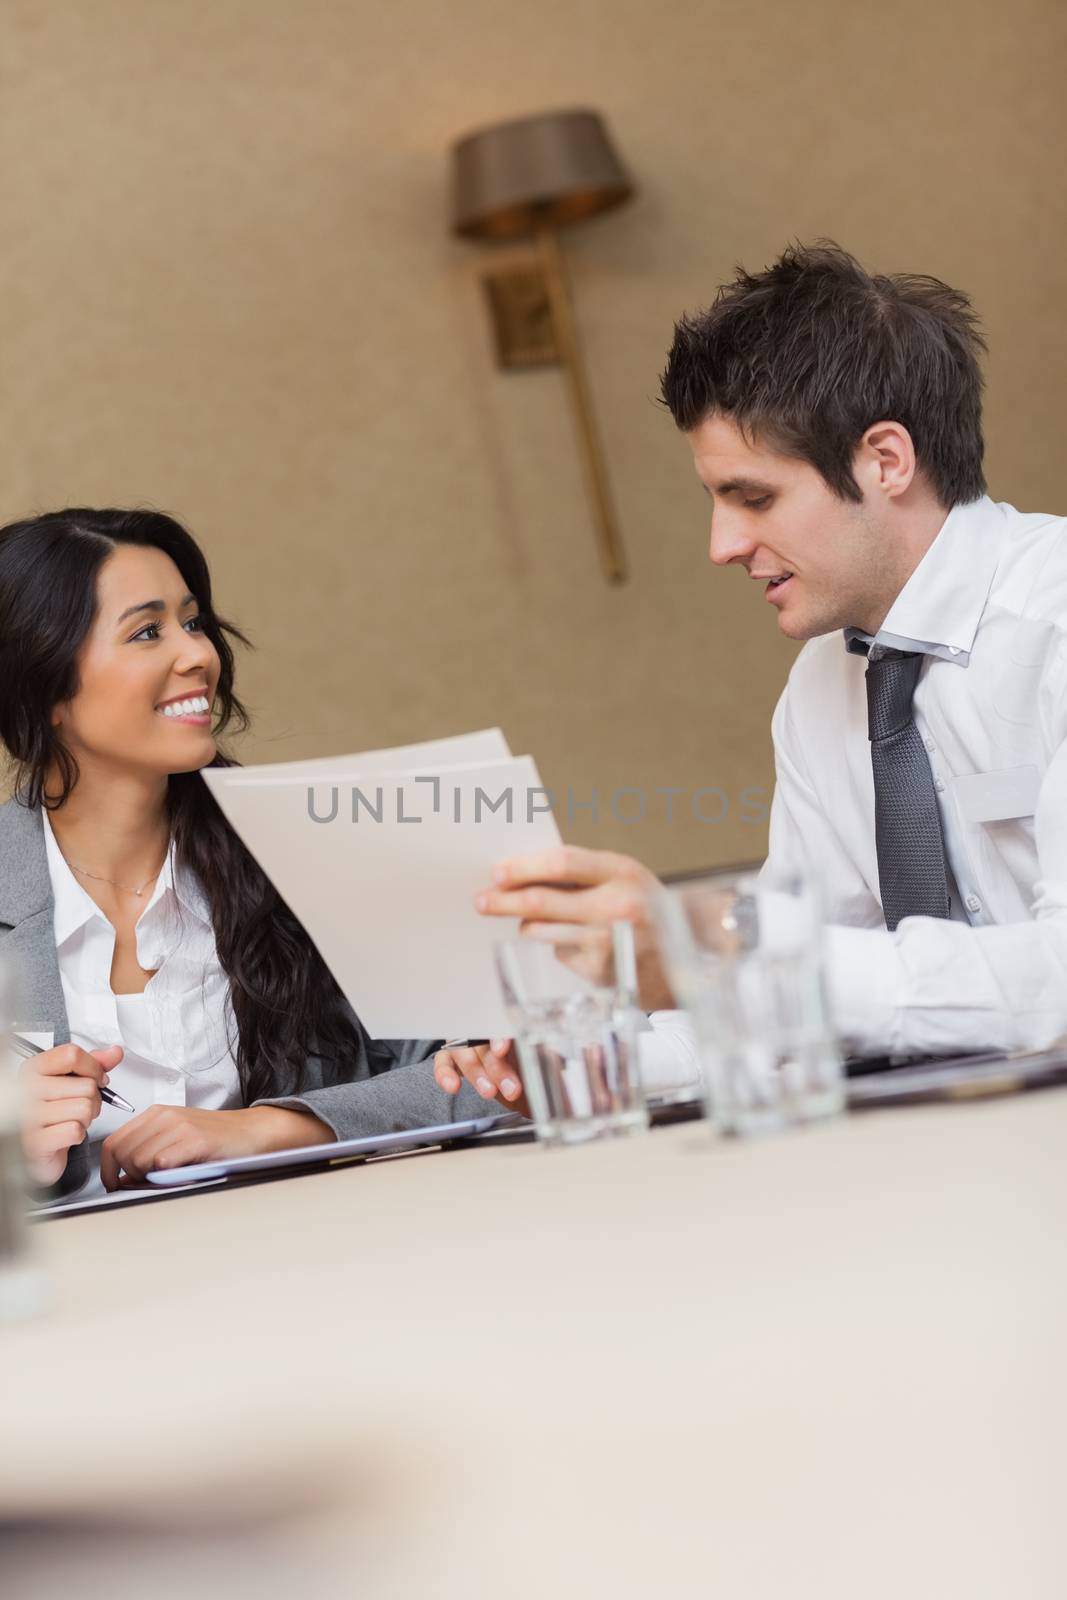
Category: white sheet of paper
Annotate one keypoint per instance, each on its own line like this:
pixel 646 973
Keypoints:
pixel 390 903
pixel 488 744
pixel 114 1197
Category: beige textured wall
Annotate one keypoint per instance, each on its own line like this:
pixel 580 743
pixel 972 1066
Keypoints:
pixel 226 288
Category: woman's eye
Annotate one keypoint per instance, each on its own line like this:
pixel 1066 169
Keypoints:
pixel 151 630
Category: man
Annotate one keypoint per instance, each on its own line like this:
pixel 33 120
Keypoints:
pixel 921 764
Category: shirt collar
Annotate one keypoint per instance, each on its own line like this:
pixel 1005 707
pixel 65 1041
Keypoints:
pixel 939 608
pixel 74 907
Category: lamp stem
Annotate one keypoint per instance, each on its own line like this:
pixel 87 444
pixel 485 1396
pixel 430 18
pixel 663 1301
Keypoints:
pixel 609 540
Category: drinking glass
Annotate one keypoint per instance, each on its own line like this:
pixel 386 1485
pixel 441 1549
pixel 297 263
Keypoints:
pixel 572 1001
pixel 22 1284
pixel 744 954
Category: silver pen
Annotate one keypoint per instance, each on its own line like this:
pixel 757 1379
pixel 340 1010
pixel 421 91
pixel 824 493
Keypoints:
pixel 27 1047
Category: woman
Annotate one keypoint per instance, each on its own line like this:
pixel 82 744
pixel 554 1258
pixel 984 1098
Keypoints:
pixel 152 950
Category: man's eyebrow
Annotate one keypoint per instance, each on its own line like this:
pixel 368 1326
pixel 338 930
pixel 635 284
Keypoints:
pixel 154 605
pixel 743 486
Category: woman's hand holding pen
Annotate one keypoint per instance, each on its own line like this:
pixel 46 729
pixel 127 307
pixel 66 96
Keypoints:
pixel 62 1097
pixel 492 1068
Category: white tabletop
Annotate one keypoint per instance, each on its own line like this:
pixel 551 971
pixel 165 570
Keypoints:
pixel 829 1363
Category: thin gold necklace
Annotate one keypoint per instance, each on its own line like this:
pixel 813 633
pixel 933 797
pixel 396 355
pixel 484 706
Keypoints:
pixel 125 889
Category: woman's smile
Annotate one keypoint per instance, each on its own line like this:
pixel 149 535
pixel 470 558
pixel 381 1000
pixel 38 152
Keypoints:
pixel 193 709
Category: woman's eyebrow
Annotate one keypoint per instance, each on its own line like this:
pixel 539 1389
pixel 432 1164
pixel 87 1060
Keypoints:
pixel 154 605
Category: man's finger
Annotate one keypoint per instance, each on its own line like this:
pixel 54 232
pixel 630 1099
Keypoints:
pixel 540 904
pixel 562 864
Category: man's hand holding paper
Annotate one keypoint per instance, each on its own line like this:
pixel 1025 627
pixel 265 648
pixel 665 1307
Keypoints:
pixel 594 888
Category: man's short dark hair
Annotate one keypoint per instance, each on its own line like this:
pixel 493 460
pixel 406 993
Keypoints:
pixel 811 352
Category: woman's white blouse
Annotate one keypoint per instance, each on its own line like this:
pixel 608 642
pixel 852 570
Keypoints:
pixel 176 1035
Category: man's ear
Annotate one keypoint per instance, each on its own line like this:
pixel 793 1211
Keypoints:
pixel 885 459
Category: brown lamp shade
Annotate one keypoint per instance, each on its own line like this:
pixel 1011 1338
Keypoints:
pixel 512 178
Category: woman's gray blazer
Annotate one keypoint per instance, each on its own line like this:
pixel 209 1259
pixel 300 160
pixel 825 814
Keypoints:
pixel 392 1085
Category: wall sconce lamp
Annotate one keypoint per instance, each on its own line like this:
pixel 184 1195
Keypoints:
pixel 529 178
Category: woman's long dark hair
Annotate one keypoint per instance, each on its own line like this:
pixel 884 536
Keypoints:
pixel 286 1005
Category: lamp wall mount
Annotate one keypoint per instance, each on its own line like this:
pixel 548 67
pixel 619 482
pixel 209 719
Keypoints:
pixel 528 179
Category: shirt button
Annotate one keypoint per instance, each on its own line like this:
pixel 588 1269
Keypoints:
pixel 930 745
pixel 939 786
pixel 954 649
pixel 973 903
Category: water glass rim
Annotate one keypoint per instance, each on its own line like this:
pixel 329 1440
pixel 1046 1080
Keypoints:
pixel 785 908
pixel 569 932
pixel 745 879
pixel 624 959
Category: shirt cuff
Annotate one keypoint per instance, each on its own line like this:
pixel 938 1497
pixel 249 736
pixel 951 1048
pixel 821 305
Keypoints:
pixel 668 1051
pixel 863 981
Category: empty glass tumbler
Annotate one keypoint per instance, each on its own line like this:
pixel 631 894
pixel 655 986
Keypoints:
pixel 572 1000
pixel 22 1283
pixel 744 955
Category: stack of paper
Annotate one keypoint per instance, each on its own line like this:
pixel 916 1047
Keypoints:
pixel 380 855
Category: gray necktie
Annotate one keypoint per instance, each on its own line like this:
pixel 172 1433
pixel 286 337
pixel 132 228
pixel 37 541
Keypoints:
pixel 907 824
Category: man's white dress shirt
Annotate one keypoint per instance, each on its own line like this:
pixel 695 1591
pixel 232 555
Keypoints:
pixel 175 1035
pixel 988 606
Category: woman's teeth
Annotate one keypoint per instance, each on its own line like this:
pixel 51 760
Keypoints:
pixel 197 707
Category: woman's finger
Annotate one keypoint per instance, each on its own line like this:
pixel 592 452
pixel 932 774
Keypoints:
pixel 446 1073
pixel 471 1062
pixel 63 1088
pixel 500 1065
pixel 491 1069
pixel 49 1141
pixel 120 1152
pixel 178 1149
pixel 464 1062
pixel 64 1059
pixel 80 1108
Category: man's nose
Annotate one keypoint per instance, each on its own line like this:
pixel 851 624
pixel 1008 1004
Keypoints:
pixel 728 540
